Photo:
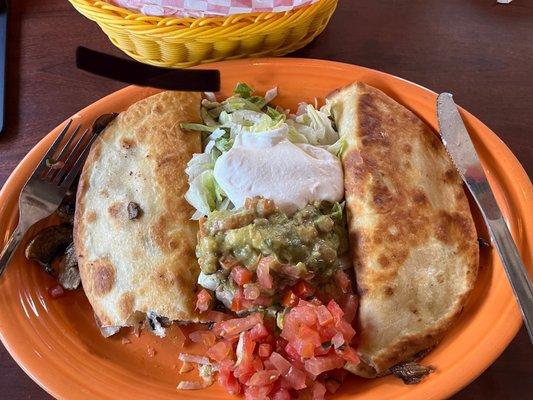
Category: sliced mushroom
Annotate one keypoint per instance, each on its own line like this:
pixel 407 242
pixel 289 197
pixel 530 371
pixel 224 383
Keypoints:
pixel 102 121
pixel 411 372
pixel 48 244
pixel 69 274
pixel 134 210
pixel 65 211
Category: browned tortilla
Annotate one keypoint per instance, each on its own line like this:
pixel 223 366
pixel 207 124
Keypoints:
pixel 412 235
pixel 133 234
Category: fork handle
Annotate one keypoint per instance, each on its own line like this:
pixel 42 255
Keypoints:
pixel 10 247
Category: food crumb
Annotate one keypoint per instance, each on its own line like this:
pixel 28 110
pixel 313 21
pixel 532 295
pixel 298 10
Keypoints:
pixel 137 330
pixel 186 367
pixel 151 351
pixel 56 292
pixel 125 341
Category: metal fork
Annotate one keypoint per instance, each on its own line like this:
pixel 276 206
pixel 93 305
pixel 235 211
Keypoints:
pixel 49 183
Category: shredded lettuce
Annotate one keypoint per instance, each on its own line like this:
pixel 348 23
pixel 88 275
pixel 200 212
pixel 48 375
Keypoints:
pixel 224 144
pixel 275 115
pixel 337 211
pixel 339 147
pixel 246 111
pixel 315 124
pixel 202 192
pixel 295 136
pixel 243 90
pixel 198 164
pixel 209 120
pixel 197 127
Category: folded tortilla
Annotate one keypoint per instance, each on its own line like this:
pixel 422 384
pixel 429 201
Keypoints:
pixel 412 235
pixel 133 234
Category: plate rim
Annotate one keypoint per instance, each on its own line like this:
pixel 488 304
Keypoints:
pixel 527 190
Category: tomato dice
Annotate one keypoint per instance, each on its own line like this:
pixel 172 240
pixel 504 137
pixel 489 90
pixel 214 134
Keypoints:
pixel 295 378
pixel 281 394
pixel 292 352
pixel 263 273
pixel 303 290
pixel 255 360
pixel 220 351
pixel 265 349
pixel 245 358
pixel 258 332
pixel 280 363
pixel 241 275
pixel 263 378
pixel 227 379
pixel 335 310
pixel 337 340
pixel 236 303
pixel 345 329
pixel 343 281
pixel 350 307
pixel 217 316
pixel 237 325
pixel 348 354
pixel 316 366
pixel 324 316
pixel 257 392
pixel 290 299
pixel 204 300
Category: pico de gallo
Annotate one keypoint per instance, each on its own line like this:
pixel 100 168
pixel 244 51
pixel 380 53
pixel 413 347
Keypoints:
pixel 287 281
pixel 301 357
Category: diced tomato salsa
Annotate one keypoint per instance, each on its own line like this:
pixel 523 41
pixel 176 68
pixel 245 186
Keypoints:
pixel 203 300
pixel 298 342
pixel 305 357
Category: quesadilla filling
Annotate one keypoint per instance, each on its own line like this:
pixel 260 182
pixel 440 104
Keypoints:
pixel 272 247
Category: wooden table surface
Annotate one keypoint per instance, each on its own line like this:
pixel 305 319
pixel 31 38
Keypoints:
pixel 478 50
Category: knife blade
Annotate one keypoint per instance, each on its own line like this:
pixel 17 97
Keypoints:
pixel 463 153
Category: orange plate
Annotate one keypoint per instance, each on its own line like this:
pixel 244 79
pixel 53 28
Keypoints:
pixel 57 343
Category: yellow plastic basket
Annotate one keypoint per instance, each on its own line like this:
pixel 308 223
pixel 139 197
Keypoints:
pixel 182 42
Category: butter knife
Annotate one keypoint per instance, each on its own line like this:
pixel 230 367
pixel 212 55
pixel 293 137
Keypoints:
pixel 462 151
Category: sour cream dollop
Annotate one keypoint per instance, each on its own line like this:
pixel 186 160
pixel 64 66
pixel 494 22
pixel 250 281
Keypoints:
pixel 267 164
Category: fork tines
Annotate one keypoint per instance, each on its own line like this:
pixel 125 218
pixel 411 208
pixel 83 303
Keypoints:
pixel 61 167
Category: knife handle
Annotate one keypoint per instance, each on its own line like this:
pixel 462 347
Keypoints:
pixel 515 270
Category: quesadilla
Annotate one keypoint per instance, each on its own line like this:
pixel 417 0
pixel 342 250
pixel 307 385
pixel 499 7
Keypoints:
pixel 412 236
pixel 132 230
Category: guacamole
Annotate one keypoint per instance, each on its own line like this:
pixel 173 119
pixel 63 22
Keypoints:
pixel 270 250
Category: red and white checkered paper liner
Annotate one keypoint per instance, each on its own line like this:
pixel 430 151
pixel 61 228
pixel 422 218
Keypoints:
pixel 208 8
